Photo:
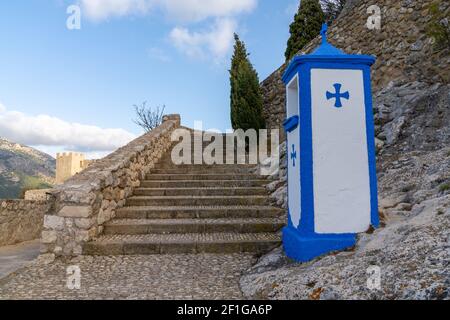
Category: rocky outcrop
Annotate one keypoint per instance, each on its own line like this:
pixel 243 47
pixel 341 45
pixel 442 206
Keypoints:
pixel 403 49
pixel 88 200
pixel 412 254
pixel 21 220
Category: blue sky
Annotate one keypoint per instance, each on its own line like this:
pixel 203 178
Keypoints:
pixel 64 89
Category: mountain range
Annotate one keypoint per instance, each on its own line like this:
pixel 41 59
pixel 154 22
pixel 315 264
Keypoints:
pixel 22 168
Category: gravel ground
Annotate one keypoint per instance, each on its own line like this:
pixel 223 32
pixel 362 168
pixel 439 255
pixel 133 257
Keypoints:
pixel 206 276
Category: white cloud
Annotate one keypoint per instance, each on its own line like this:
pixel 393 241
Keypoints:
pixel 44 130
pixel 216 41
pixel 186 10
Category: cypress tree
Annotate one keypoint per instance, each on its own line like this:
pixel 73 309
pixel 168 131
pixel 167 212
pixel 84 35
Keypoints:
pixel 246 98
pixel 306 26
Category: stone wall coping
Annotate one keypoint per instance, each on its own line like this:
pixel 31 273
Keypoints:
pixel 84 203
pixel 5 202
pixel 99 175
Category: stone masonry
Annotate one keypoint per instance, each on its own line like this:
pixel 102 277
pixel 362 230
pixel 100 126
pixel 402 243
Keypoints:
pixel 191 208
pixel 402 47
pixel 83 204
pixel 21 220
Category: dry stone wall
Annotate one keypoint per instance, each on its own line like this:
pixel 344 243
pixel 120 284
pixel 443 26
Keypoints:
pixel 403 49
pixel 37 195
pixel 89 199
pixel 21 220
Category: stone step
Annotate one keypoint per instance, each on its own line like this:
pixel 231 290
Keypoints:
pixel 202 183
pixel 182 243
pixel 233 167
pixel 197 212
pixel 200 170
pixel 232 191
pixel 197 200
pixel 193 176
pixel 167 161
pixel 170 226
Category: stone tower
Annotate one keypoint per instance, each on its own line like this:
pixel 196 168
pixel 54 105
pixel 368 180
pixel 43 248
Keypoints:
pixel 69 164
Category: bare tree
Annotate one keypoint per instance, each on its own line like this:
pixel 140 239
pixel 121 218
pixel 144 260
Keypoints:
pixel 148 118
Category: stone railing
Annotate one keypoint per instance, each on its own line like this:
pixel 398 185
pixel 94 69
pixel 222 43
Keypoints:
pixel 37 195
pixel 89 199
pixel 21 220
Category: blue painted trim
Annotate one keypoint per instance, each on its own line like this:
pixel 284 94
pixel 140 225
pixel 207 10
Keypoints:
pixel 291 124
pixel 306 153
pixel 304 247
pixel 326 48
pixel 370 127
pixel 345 59
pixel 286 128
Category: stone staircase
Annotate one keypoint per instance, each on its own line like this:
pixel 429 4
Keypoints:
pixel 193 209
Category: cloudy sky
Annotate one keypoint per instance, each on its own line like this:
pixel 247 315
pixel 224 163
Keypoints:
pixel 74 90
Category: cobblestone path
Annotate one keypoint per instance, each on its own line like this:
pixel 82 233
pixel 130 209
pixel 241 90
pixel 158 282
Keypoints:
pixel 152 277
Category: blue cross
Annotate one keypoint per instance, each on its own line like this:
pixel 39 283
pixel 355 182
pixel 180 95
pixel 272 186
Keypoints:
pixel 338 95
pixel 293 155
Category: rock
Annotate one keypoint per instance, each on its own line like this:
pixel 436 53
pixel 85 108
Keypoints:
pixel 84 223
pixel 392 130
pixel 272 186
pixel 392 202
pixel 280 196
pixel 75 212
pixel 49 237
pixel 45 259
pixel 417 46
pixel 53 222
pixel 379 144
pixel 404 206
pixel 412 255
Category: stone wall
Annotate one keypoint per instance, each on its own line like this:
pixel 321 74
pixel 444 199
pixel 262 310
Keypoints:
pixel 37 195
pixel 402 47
pixel 86 201
pixel 21 220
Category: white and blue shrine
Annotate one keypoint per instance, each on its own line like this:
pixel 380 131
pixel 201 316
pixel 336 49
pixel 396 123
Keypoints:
pixel 332 184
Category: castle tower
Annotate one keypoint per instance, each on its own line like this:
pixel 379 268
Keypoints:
pixel 69 164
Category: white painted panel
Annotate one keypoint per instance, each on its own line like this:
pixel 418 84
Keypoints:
pixel 340 158
pixel 293 144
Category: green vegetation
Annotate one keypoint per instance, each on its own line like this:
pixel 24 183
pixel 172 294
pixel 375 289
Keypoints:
pixel 444 187
pixel 439 26
pixel 246 98
pixel 306 26
pixel 16 190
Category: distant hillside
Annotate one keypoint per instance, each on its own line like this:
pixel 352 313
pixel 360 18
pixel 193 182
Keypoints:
pixel 23 167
